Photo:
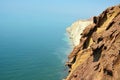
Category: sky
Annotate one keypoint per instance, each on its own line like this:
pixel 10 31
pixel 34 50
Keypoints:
pixel 53 9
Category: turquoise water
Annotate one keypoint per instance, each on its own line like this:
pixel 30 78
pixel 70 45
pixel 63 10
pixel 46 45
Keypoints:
pixel 32 46
pixel 32 49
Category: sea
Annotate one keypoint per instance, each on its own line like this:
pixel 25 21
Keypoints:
pixel 33 46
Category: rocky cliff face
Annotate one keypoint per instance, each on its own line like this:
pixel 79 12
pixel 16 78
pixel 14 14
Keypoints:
pixel 76 29
pixel 97 57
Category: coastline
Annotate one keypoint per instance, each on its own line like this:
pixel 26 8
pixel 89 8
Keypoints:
pixel 74 31
pixel 97 54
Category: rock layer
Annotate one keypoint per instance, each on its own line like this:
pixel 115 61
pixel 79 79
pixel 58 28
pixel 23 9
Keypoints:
pixel 97 57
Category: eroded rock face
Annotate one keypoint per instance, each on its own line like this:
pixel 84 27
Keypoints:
pixel 97 57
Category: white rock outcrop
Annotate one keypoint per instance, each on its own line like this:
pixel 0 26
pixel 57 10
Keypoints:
pixel 75 30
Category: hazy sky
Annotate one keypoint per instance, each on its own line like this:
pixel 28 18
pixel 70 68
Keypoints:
pixel 62 9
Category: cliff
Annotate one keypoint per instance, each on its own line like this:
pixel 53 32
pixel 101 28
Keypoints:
pixel 97 56
pixel 76 29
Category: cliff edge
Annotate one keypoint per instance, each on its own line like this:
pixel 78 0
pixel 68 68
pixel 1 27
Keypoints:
pixel 76 29
pixel 97 56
